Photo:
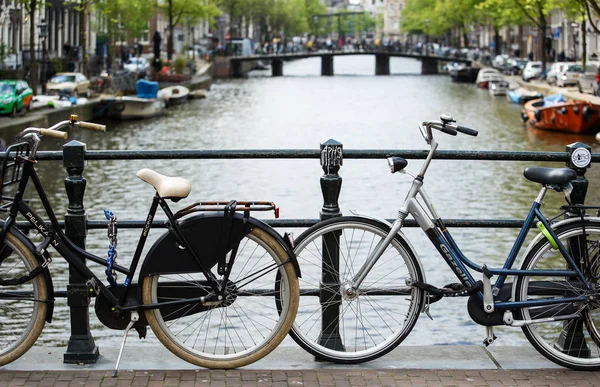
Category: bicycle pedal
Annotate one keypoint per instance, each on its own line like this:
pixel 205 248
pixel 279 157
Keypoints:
pixel 490 336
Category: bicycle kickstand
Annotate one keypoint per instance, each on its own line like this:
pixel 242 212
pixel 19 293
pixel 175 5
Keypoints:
pixel 134 318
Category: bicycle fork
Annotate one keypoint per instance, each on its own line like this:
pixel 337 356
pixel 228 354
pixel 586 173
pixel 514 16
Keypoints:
pixel 350 289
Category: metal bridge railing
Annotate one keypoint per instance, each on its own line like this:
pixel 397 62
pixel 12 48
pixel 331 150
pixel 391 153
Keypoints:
pixel 81 347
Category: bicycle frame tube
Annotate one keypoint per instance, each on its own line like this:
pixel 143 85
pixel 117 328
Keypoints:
pixel 72 253
pixel 441 238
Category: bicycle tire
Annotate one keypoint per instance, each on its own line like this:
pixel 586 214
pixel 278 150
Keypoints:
pixel 394 313
pixel 571 343
pixel 260 329
pixel 22 316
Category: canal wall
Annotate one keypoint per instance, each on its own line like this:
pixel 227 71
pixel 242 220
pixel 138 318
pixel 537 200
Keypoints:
pixel 222 67
pixel 45 118
pixel 546 89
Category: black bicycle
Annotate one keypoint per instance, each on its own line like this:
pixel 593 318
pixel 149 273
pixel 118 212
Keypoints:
pixel 219 289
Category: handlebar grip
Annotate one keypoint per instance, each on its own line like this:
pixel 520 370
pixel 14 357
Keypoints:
pixel 91 126
pixel 449 130
pixel 54 133
pixel 465 130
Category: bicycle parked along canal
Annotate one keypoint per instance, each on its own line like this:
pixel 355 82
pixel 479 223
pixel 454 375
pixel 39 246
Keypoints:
pixel 219 289
pixel 373 287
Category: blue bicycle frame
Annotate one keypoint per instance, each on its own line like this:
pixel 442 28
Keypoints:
pixel 441 238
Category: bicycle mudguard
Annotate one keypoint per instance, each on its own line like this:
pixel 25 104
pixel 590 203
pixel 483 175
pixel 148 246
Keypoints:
pixel 541 236
pixel 203 232
pixel 45 272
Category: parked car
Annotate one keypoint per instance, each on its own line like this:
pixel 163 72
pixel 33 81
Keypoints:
pixel 569 75
pixel 555 69
pixel 74 84
pixel 590 78
pixel 137 65
pixel 14 96
pixel 532 70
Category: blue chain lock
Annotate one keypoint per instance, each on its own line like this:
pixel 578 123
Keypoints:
pixel 112 247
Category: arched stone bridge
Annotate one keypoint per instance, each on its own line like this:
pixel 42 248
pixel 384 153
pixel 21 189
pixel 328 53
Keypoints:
pixel 429 63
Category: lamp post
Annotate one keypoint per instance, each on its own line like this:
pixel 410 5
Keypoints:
pixel 43 34
pixel 426 35
pixel 575 27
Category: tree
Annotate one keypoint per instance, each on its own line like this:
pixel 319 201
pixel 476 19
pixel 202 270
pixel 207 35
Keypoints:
pixel 31 8
pixel 190 10
pixel 501 13
pixel 83 7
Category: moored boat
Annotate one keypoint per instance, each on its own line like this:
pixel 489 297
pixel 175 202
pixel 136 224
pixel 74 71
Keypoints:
pixel 573 116
pixel 144 105
pixel 484 76
pixel 521 95
pixel 464 74
pixel 174 95
pixel 498 87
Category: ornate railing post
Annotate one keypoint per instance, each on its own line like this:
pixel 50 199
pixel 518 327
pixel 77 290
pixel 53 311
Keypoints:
pixel 572 340
pixel 81 347
pixel 329 294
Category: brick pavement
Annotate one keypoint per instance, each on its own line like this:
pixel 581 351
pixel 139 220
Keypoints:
pixel 305 378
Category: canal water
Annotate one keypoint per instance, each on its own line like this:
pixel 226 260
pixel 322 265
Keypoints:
pixel 301 110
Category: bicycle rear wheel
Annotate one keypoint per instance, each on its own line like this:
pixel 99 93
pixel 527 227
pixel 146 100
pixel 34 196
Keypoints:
pixel 246 327
pixel 573 342
pixel 347 328
pixel 22 307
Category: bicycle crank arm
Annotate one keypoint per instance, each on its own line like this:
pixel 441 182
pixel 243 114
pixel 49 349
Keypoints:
pixel 508 320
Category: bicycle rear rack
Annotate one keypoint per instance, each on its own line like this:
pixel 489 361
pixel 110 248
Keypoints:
pixel 219 206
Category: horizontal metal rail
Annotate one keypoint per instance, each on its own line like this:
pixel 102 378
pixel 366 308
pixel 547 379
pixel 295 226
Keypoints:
pixel 313 154
pixel 297 223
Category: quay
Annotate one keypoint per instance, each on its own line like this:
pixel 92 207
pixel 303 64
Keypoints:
pixel 455 365
pixel 46 117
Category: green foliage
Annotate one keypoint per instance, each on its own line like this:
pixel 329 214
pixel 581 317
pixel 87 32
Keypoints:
pixel 179 65
pixel 57 65
pixel 293 17
pixel 190 11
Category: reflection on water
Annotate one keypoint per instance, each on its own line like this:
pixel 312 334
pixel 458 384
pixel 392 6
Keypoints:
pixel 301 110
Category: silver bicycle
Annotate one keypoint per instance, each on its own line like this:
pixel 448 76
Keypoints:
pixel 371 287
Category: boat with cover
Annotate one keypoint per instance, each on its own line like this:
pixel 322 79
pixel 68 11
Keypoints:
pixel 484 76
pixel 144 105
pixel 498 87
pixel 521 95
pixel 554 113
pixel 174 95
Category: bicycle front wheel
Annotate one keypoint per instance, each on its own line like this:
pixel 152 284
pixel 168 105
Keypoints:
pixel 337 326
pixel 243 329
pixel 22 307
pixel 573 339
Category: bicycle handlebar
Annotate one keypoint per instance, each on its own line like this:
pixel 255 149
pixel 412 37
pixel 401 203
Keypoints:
pixel 465 130
pixel 449 128
pixel 54 133
pixel 29 134
pixel 91 126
